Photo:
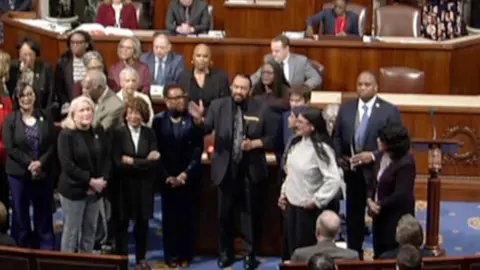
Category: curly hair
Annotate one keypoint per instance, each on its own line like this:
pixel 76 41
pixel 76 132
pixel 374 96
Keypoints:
pixel 396 139
pixel 139 105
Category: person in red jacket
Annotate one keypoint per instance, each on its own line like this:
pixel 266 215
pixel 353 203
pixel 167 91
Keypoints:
pixel 118 13
pixel 5 109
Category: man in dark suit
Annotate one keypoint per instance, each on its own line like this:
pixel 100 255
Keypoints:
pixel 337 21
pixel 355 141
pixel 244 130
pixel 187 17
pixel 327 230
pixel 163 64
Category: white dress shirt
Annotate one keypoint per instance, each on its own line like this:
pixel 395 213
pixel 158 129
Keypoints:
pixel 118 13
pixel 309 177
pixel 286 68
pixel 144 97
pixel 135 134
pixel 369 104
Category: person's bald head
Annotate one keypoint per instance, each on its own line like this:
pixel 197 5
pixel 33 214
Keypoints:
pixel 328 226
pixel 202 57
pixel 94 84
pixel 161 45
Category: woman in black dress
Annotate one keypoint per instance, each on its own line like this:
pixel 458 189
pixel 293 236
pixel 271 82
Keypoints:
pixel 135 156
pixel 273 87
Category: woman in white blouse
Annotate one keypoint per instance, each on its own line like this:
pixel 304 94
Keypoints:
pixel 129 81
pixel 313 179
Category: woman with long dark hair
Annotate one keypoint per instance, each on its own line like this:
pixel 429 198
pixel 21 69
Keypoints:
pixel 312 181
pixel 391 194
pixel 71 68
pixel 272 87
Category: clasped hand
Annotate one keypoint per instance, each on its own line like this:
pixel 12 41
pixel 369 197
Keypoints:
pixel 362 158
pixel 373 207
pixel 35 167
pixel 185 28
pixel 180 180
pixel 97 185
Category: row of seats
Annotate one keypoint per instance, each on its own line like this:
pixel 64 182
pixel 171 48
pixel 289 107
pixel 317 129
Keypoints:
pixel 393 20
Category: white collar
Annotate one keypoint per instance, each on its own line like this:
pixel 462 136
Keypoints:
pixel 117 6
pixel 285 61
pixel 369 103
pixel 163 59
pixel 134 130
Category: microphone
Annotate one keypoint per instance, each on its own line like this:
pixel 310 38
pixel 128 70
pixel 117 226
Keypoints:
pixel 432 112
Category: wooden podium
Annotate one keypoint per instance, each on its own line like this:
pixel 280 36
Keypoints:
pixel 435 149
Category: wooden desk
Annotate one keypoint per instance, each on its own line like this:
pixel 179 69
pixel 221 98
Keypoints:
pixel 447 70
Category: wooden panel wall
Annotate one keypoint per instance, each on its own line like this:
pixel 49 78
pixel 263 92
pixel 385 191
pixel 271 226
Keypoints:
pixel 258 22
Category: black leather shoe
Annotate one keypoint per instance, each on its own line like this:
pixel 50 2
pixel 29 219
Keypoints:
pixel 224 260
pixel 250 263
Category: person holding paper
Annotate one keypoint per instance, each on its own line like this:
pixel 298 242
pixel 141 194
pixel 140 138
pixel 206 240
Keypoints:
pixel 118 13
pixel 129 52
pixel 165 65
pixel 187 17
pixel 129 80
pixel 180 143
pixel 355 140
pixel 204 82
pixel 337 21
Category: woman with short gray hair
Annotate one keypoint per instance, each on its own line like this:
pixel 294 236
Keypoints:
pixel 129 81
pixel 129 52
pixel 92 60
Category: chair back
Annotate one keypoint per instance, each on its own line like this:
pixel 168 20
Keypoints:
pixel 401 80
pixel 397 21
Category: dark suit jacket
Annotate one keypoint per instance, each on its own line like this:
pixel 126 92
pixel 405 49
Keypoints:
pixel 327 18
pixel 344 130
pixel 42 83
pixel 128 18
pixel 19 5
pixel 216 85
pixel 76 161
pixel 174 65
pixel 199 17
pixel 395 188
pixel 135 183
pixel 181 152
pixel 329 248
pixel 19 152
pixel 260 123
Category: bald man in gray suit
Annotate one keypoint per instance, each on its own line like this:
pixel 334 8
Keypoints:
pixel 327 230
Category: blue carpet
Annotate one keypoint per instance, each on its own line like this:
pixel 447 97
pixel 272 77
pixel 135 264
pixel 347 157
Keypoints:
pixel 460 231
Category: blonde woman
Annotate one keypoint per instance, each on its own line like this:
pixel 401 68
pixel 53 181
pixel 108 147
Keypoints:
pixel 129 80
pixel 129 52
pixel 85 166
pixel 118 13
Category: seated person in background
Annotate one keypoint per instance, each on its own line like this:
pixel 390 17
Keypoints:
pixel 272 87
pixel 296 68
pixel 92 61
pixel 187 17
pixel 163 64
pixel 204 82
pixel 129 51
pixel 328 228
pixel 129 80
pixel 409 258
pixel 118 13
pixel 337 21
pixel 321 261
pixel 5 240
pixel 409 232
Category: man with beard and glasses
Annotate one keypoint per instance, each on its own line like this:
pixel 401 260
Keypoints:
pixel 244 130
pixel 180 143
